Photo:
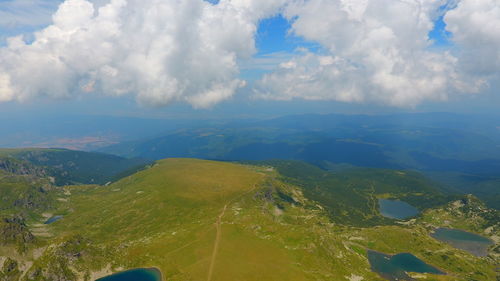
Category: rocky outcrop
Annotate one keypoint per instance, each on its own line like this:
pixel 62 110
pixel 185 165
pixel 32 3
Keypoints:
pixel 13 230
pixel 20 167
pixel 10 270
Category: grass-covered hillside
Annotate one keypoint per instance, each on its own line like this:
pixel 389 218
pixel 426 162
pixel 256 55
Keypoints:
pixel 206 220
pixel 73 167
pixel 350 196
pixel 23 198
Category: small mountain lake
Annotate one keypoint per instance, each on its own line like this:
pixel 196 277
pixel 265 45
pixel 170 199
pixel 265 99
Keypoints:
pixel 138 274
pixel 53 219
pixel 394 267
pixel 396 209
pixel 470 242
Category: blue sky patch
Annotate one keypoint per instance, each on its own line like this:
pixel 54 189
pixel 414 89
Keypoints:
pixel 439 34
pixel 273 35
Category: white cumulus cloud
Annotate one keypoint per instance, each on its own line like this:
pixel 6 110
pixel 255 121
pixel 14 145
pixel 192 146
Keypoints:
pixel 379 51
pixel 475 25
pixel 158 51
pixel 161 51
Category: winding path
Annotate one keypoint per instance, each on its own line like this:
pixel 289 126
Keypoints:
pixel 216 244
pixel 219 232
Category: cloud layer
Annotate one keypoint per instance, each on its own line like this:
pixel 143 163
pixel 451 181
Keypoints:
pixel 159 51
pixel 188 51
pixel 476 29
pixel 379 51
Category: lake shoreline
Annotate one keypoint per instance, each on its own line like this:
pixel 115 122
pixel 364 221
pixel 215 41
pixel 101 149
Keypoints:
pixel 396 266
pixel 470 242
pixel 151 272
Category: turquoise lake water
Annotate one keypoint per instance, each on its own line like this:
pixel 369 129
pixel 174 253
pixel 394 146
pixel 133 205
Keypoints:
pixel 139 274
pixel 396 209
pixel 470 242
pixel 395 267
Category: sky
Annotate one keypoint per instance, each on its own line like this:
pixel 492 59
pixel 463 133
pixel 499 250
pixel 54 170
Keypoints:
pixel 248 57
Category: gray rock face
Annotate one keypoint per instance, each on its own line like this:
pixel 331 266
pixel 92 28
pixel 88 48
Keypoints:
pixel 19 167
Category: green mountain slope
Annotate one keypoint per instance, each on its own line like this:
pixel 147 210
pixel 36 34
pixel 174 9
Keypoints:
pixel 74 167
pixel 23 197
pixel 206 220
pixel 25 194
pixel 351 196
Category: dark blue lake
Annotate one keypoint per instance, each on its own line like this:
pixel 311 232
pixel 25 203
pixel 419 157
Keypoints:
pixel 139 274
pixel 470 242
pixel 395 267
pixel 396 209
pixel 53 219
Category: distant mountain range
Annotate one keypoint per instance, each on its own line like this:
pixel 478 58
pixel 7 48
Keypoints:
pixel 460 151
